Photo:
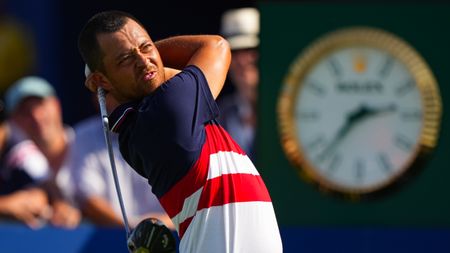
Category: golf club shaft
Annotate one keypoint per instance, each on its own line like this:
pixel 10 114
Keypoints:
pixel 105 121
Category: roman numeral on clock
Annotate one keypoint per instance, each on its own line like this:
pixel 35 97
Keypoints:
pixel 316 88
pixel 383 162
pixel 359 167
pixel 334 67
pixel 403 142
pixel 386 67
pixel 404 88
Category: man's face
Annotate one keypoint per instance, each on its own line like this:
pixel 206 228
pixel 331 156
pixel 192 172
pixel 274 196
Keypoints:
pixel 132 62
pixel 244 70
pixel 39 118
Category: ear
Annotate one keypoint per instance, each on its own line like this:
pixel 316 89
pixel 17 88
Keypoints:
pixel 95 80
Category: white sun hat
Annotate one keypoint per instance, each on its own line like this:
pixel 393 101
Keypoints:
pixel 240 27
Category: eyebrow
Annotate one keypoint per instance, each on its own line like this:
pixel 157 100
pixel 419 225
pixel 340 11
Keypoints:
pixel 129 51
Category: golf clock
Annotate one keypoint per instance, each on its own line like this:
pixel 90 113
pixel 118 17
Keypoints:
pixel 359 110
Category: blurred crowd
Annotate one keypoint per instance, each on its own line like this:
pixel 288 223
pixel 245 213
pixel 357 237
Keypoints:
pixel 55 174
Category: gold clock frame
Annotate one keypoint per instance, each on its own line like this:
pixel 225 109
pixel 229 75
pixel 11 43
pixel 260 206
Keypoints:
pixel 342 38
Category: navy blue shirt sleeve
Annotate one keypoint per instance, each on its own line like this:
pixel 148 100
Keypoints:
pixel 185 104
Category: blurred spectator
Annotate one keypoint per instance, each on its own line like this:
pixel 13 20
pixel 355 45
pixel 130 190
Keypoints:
pixel 33 106
pixel 28 205
pixel 95 183
pixel 238 109
pixel 23 169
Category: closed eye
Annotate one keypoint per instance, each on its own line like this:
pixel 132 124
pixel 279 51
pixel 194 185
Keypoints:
pixel 124 59
pixel 145 48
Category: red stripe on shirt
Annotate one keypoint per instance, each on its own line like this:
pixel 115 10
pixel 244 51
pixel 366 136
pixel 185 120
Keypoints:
pixel 220 140
pixel 229 188
pixel 217 139
pixel 183 226
pixel 232 188
pixel 173 200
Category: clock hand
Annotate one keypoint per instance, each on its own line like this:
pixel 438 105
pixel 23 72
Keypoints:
pixel 385 109
pixel 366 111
pixel 350 120
pixel 361 113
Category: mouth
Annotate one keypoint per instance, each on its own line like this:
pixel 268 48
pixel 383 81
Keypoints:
pixel 149 75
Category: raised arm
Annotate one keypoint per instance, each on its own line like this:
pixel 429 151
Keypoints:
pixel 211 53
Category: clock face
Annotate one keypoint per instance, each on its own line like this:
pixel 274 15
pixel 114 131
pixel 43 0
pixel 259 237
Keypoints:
pixel 355 111
pixel 359 117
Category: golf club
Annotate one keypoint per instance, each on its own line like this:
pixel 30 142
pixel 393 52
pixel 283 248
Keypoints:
pixel 105 122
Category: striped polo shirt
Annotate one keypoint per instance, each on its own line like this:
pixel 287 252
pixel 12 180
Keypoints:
pixel 213 193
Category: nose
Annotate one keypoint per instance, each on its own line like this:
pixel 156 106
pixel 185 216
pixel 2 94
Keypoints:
pixel 142 60
pixel 37 114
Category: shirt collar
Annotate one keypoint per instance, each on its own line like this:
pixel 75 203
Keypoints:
pixel 119 115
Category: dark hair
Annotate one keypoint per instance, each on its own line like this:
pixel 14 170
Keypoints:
pixel 2 112
pixel 103 22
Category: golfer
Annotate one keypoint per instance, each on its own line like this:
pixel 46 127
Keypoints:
pixel 161 99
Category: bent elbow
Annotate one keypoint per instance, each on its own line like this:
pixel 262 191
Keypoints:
pixel 224 49
pixel 223 43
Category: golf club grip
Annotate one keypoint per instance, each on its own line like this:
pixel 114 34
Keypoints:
pixel 102 102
